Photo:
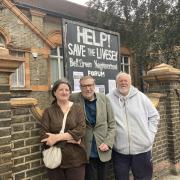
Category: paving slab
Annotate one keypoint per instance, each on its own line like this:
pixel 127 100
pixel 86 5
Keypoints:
pixel 171 177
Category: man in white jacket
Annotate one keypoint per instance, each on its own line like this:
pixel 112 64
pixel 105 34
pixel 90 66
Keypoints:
pixel 137 120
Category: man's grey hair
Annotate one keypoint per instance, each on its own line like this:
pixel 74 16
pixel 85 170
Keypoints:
pixel 85 78
pixel 120 74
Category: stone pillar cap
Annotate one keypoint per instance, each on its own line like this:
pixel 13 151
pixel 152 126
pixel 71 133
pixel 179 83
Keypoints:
pixel 163 72
pixel 163 69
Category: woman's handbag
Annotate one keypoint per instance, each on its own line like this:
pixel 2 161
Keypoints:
pixel 52 156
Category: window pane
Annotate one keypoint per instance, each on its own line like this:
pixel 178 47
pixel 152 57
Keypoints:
pixel 13 53
pixel 126 60
pixel 2 42
pixel 126 69
pixel 54 70
pixel 20 54
pixel 21 75
pixel 122 69
pixel 121 59
pixel 54 52
pixel 61 51
pixel 62 68
pixel 14 79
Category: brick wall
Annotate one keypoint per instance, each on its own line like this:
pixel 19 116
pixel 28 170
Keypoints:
pixel 160 148
pixel 165 79
pixel 26 148
pixel 20 148
pixel 5 128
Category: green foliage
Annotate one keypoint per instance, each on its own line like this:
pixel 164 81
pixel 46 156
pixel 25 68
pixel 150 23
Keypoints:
pixel 149 27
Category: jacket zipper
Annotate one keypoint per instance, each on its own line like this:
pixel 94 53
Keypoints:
pixel 127 125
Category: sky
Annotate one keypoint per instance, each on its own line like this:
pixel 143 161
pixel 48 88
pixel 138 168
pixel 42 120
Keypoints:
pixel 82 2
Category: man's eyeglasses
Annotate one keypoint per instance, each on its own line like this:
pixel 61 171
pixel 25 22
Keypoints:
pixel 87 85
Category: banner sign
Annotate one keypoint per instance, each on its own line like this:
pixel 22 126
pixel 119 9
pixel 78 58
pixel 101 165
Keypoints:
pixel 90 51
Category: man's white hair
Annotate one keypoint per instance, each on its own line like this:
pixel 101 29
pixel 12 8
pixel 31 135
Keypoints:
pixel 120 74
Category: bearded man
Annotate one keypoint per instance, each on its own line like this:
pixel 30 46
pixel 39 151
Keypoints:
pixel 136 125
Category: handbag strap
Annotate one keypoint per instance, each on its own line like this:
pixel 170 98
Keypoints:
pixel 65 117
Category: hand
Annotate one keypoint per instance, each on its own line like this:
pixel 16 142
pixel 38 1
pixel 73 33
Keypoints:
pixel 104 147
pixel 51 140
pixel 74 142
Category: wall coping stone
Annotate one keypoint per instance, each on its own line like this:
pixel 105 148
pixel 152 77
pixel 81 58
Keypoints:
pixel 28 102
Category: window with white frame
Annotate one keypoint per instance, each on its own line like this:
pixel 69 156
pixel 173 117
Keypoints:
pixel 57 70
pixel 2 41
pixel 125 64
pixel 18 77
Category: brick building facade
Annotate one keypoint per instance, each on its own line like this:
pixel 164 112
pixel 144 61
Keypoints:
pixel 33 31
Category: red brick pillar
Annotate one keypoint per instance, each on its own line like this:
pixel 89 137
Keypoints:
pixel 166 80
pixel 7 65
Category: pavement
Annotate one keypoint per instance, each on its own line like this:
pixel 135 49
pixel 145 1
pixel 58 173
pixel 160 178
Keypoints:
pixel 171 177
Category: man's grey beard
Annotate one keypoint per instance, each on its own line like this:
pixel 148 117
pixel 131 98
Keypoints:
pixel 124 91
